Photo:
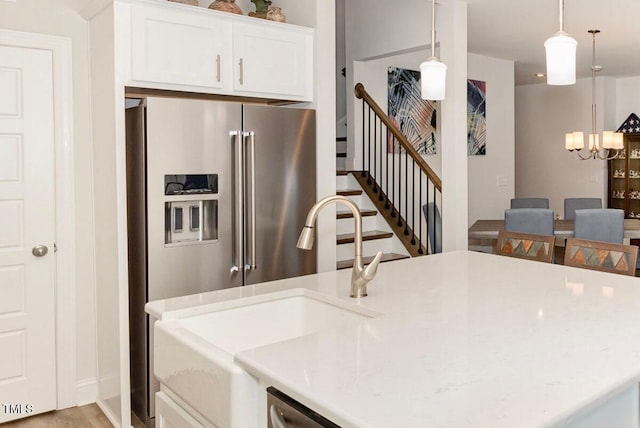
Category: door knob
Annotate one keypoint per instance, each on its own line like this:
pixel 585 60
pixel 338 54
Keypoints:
pixel 40 250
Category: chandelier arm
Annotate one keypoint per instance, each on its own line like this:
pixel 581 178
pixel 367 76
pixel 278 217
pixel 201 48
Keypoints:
pixel 590 156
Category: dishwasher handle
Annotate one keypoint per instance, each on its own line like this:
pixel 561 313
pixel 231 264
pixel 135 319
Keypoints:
pixel 277 417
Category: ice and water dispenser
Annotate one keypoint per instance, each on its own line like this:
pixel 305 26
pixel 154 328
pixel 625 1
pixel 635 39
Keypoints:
pixel 190 208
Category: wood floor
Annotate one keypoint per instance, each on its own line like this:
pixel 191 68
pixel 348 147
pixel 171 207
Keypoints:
pixel 89 416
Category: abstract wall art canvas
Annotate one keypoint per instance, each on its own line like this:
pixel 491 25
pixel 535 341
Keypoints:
pixel 476 117
pixel 414 117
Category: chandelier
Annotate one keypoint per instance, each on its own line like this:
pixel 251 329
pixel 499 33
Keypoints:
pixel 612 142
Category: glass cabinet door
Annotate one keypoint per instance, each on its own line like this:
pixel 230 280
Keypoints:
pixel 618 183
pixel 633 173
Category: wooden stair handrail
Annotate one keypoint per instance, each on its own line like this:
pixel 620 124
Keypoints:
pixel 361 93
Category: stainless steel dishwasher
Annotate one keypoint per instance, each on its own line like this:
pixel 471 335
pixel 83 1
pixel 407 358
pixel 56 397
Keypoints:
pixel 285 412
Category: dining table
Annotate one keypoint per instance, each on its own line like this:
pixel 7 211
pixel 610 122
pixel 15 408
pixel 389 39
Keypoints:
pixel 484 233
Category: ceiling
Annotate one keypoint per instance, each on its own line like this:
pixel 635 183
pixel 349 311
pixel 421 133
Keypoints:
pixel 517 30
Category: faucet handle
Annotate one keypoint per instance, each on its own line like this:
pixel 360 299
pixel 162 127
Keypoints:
pixel 372 268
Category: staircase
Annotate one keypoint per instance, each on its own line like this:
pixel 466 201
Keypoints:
pixel 376 233
pixel 389 189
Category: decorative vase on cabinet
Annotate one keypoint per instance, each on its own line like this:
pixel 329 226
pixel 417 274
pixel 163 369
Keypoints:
pixel 624 178
pixel 262 7
pixel 226 6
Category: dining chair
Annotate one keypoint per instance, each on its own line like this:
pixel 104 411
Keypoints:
pixel 573 204
pixel 603 224
pixel 525 246
pixel 434 226
pixel 602 256
pixel 537 221
pixel 529 203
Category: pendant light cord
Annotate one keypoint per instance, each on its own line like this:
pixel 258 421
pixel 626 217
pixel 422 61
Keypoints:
pixel 561 15
pixel 433 28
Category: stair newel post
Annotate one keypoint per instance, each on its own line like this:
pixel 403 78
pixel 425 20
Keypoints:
pixel 363 173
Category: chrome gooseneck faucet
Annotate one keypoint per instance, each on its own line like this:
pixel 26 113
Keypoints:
pixel 360 275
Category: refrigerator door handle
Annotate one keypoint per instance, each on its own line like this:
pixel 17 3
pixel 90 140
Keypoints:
pixel 238 199
pixel 250 177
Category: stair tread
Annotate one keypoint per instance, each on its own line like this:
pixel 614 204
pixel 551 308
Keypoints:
pixel 342 172
pixel 386 257
pixel 341 155
pixel 341 138
pixel 349 192
pixel 349 214
pixel 348 238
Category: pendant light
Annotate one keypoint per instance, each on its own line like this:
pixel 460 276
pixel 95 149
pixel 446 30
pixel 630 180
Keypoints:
pixel 433 72
pixel 612 142
pixel 561 54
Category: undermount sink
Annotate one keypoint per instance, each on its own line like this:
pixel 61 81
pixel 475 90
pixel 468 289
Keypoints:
pixel 193 355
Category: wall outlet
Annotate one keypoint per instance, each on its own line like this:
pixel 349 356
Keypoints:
pixel 502 180
pixel 593 179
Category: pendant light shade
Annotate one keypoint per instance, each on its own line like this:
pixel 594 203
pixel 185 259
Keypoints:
pixel 561 54
pixel 433 72
pixel 561 59
pixel 433 76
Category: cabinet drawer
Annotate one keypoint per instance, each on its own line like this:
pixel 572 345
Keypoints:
pixel 170 415
pixel 170 45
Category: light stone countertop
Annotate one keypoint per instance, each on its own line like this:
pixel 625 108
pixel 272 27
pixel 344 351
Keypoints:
pixel 465 340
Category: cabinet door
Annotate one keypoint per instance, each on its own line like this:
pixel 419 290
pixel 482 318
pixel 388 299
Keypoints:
pixel 633 174
pixel 177 46
pixel 273 59
pixel 618 184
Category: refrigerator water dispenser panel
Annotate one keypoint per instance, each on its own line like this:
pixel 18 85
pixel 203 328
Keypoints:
pixel 190 222
pixel 190 184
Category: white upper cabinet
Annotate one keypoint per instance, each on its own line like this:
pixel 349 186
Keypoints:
pixel 272 61
pixel 172 45
pixel 187 48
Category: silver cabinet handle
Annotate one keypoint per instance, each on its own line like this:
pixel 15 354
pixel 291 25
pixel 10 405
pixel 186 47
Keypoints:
pixel 241 71
pixel 277 417
pixel 250 189
pixel 218 67
pixel 40 250
pixel 238 200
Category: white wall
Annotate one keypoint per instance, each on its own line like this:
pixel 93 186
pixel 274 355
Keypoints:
pixel 487 198
pixel 627 99
pixel 54 17
pixel 543 167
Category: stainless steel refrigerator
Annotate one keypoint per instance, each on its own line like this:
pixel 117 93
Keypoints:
pixel 217 193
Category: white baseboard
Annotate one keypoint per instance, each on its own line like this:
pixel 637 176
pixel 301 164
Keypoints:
pixel 87 391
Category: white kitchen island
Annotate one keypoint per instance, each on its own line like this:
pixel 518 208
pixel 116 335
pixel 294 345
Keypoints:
pixel 464 339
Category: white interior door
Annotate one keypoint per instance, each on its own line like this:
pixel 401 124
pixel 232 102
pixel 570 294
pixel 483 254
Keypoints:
pixel 27 222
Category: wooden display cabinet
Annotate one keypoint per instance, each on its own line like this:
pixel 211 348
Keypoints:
pixel 624 178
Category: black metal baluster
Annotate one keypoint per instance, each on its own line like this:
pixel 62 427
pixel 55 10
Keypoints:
pixel 362 173
pixel 420 216
pixel 393 179
pixel 386 145
pixel 413 202
pixel 375 164
pixel 380 197
pixel 426 218
pixel 406 193
pixel 399 209
pixel 369 149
